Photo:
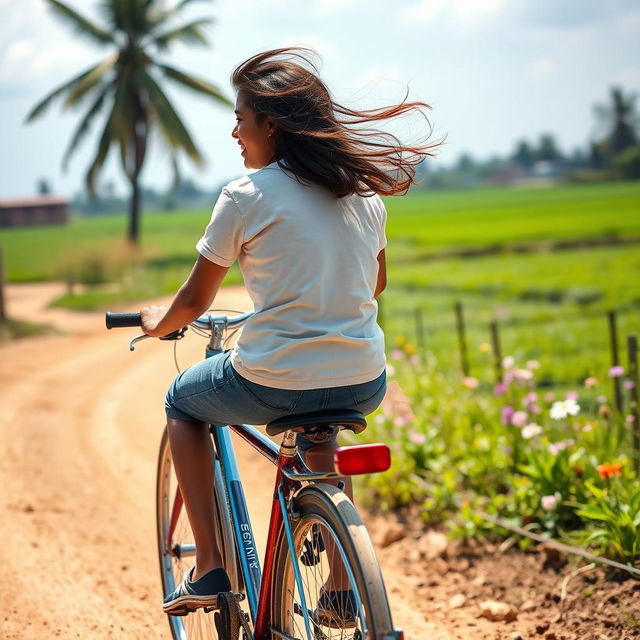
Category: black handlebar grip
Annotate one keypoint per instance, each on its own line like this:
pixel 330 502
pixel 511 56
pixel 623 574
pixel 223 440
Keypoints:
pixel 116 320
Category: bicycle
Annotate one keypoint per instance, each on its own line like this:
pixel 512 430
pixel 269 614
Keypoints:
pixel 314 528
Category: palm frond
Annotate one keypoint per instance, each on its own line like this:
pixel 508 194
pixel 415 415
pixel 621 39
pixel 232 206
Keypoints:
pixel 196 84
pixel 83 26
pixel 103 150
pixel 169 121
pixel 190 33
pixel 84 125
pixel 91 80
pixel 45 102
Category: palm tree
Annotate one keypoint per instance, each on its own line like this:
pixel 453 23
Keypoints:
pixel 621 120
pixel 127 84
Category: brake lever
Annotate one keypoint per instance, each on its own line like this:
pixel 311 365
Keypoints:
pixel 178 334
pixel 142 336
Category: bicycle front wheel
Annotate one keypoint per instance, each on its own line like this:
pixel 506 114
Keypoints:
pixel 177 554
pixel 328 538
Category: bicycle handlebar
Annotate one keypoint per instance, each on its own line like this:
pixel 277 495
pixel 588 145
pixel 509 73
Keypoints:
pixel 115 320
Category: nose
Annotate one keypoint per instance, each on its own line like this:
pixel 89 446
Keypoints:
pixel 234 133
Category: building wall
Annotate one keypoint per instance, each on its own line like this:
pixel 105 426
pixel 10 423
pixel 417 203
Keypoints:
pixel 22 216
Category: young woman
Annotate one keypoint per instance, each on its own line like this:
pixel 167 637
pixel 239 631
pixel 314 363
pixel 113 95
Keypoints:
pixel 308 231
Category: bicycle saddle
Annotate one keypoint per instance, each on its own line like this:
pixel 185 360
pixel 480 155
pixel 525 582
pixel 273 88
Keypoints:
pixel 343 419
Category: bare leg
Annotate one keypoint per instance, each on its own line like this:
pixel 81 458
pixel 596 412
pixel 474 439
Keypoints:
pixel 192 455
pixel 320 458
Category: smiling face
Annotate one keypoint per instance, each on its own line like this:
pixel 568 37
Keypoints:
pixel 255 139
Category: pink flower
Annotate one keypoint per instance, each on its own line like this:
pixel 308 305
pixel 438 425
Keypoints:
pixel 549 503
pixel 397 354
pixel 571 395
pixel 616 371
pixel 532 396
pixel 507 412
pixel 500 389
pixel 470 382
pixel 519 418
pixel 417 438
pixel 590 382
pixel 556 447
pixel 399 421
pixel 630 419
pixel 533 408
pixel 414 359
pixel 629 384
pixel 549 397
pixel 508 362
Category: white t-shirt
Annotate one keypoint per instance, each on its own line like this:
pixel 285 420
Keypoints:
pixel 309 263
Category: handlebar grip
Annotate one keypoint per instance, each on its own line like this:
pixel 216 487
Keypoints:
pixel 115 320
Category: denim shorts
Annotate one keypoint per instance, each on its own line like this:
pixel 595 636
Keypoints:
pixel 213 392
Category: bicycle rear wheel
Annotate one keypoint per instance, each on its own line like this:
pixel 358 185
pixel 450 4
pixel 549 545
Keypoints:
pixel 325 524
pixel 180 554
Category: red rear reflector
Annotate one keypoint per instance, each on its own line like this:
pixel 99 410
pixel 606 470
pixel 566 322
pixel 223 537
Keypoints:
pixel 362 458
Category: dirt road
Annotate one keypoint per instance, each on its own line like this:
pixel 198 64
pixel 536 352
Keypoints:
pixel 79 429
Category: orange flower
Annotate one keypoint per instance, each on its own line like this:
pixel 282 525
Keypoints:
pixel 608 469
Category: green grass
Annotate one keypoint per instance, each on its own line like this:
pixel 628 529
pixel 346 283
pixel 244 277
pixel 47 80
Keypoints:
pixel 424 222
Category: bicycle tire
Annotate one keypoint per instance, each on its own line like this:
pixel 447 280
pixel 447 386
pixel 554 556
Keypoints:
pixel 330 509
pixel 197 625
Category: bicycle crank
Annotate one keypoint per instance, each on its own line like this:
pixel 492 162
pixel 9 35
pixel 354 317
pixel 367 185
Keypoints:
pixel 230 617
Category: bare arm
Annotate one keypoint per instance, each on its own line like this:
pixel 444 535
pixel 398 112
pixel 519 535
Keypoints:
pixel 192 300
pixel 382 274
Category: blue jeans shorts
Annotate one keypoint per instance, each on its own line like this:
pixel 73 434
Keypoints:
pixel 213 392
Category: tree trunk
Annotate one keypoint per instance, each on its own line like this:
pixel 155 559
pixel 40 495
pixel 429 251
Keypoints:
pixel 134 212
pixel 139 151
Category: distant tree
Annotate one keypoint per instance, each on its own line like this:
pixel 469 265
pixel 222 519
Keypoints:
pixel 129 81
pixel 597 159
pixel 547 148
pixel 524 155
pixel 465 163
pixel 620 120
pixel 43 187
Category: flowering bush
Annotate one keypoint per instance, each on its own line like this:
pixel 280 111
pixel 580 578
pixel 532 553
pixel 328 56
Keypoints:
pixel 544 461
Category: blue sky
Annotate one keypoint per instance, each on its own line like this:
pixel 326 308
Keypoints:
pixel 494 71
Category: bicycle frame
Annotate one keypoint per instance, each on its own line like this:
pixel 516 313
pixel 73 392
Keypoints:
pixel 290 471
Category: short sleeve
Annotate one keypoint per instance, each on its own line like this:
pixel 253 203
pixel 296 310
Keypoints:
pixel 382 236
pixel 224 235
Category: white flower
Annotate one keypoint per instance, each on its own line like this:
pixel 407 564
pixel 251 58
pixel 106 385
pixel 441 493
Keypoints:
pixel 531 430
pixel 508 362
pixel 549 503
pixel 564 408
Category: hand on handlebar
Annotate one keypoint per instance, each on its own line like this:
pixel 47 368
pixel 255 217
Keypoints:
pixel 151 317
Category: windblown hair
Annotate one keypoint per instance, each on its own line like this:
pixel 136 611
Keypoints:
pixel 320 140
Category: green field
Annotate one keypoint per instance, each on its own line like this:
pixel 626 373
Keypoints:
pixel 551 299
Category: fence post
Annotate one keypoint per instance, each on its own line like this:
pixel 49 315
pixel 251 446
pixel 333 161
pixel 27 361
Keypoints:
pixel 497 352
pixel 419 330
pixel 462 341
pixel 613 339
pixel 632 348
pixel 3 316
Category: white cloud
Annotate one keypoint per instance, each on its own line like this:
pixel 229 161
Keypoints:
pixel 543 67
pixel 429 10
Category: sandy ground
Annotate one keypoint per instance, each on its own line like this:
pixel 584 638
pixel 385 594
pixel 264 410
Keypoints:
pixel 80 426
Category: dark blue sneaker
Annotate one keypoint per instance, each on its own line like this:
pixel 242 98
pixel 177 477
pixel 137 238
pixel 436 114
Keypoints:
pixel 336 609
pixel 189 596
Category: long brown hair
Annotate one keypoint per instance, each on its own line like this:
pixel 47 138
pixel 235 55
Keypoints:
pixel 318 139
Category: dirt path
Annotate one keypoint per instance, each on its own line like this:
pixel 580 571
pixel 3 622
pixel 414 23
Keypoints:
pixel 80 425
